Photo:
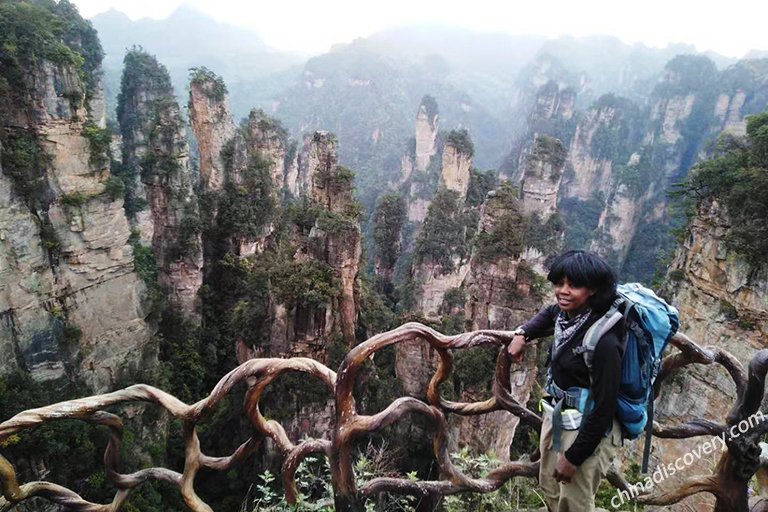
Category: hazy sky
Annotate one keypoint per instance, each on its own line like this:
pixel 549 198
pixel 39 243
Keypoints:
pixel 729 28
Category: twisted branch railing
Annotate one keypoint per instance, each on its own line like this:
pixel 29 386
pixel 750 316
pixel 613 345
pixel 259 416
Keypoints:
pixel 728 484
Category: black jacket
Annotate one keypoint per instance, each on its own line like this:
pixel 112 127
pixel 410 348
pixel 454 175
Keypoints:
pixel 570 370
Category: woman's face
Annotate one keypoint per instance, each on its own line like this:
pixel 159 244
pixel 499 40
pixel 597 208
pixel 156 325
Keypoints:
pixel 571 298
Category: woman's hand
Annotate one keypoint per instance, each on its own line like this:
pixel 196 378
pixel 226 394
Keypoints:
pixel 515 348
pixel 564 470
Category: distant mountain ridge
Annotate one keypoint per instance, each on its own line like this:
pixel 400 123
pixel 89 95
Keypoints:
pixel 367 91
pixel 190 38
pixel 184 33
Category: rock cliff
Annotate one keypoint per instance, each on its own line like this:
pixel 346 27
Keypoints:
pixel 426 132
pixel 542 175
pixel 161 188
pixel 422 164
pixel 456 163
pixel 333 240
pixel 723 302
pixel 621 156
pixel 71 303
pixel 550 113
pixel 212 125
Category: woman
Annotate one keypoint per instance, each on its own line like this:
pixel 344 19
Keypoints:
pixel 585 288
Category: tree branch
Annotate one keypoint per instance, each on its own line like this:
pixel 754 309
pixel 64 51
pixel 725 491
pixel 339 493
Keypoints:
pixel 751 393
pixel 694 428
pixel 690 487
pixel 493 481
pixel 292 461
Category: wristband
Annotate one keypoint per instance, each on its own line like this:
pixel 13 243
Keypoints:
pixel 521 332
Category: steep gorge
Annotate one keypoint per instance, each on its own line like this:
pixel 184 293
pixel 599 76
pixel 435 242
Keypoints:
pixel 265 258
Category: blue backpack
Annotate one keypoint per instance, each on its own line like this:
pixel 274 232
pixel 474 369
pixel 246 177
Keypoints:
pixel 648 325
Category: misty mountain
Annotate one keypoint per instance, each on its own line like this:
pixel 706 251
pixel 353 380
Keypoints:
pixel 368 91
pixel 756 54
pixel 190 38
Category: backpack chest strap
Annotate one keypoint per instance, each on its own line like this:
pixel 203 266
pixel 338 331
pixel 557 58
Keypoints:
pixel 597 331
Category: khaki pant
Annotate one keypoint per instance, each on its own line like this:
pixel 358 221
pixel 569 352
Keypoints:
pixel 579 494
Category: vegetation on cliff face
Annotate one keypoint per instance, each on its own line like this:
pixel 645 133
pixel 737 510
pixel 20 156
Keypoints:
pixel 460 140
pixel 141 73
pixel 31 32
pixel 551 151
pixel 582 219
pixel 506 237
pixel 430 107
pixel 686 74
pixel 442 236
pixel 622 131
pixel 737 177
pixel 246 206
pixel 239 291
pixel 213 85
pixel 388 220
pixel 480 183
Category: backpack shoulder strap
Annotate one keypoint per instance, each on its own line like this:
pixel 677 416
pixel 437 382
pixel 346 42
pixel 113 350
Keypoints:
pixel 604 324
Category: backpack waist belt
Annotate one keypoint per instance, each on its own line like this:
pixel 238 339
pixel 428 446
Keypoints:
pixel 578 398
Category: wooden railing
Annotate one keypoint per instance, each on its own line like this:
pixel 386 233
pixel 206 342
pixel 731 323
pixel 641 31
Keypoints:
pixel 729 482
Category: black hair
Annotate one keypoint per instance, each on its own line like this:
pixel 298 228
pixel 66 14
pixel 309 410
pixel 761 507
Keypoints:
pixel 584 269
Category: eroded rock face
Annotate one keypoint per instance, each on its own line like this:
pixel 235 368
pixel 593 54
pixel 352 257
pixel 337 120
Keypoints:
pixel 590 174
pixel 723 302
pixel 671 112
pixel 213 126
pixel 426 135
pixel 270 141
pixel 503 293
pixel 417 209
pixel 728 112
pixel 79 273
pixel 552 107
pixel 332 189
pixel 155 148
pixel 456 166
pixel 543 172
pixel 172 200
pixel 434 283
pixel 57 93
pixel 334 240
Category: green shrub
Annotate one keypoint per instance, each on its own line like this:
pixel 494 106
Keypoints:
pixel 460 140
pixel 114 188
pixel 25 162
pixel 75 199
pixel 203 76
pixel 388 219
pixel 71 336
pixel 677 275
pixel 337 180
pixel 516 494
pixel 442 236
pixel 745 324
pixel 474 368
pixel 507 239
pixel 552 151
pixel 480 183
pixel 99 144
pixel 728 309
pixel 245 209
pixel 190 228
pixel 737 176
